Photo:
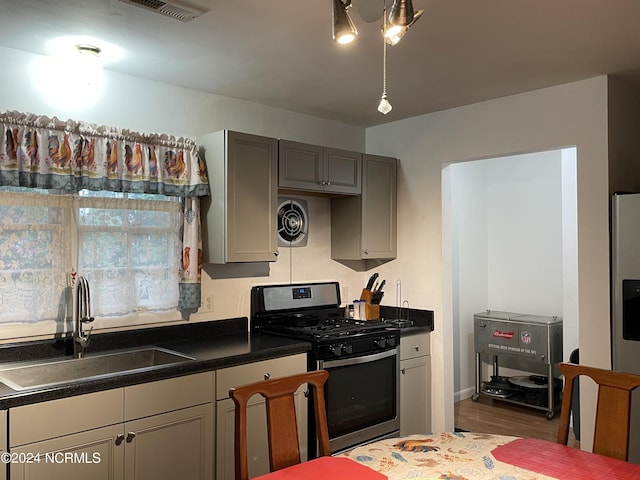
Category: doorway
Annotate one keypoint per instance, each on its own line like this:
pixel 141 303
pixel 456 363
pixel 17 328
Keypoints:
pixel 513 231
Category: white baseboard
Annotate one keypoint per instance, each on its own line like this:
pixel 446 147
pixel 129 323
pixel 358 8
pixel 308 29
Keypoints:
pixel 464 394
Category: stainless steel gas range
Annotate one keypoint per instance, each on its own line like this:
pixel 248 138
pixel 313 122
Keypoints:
pixel 362 393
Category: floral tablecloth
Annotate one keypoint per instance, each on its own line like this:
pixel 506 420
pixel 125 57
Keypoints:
pixel 451 456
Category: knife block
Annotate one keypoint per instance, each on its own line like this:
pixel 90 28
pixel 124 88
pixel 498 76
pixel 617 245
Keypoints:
pixel 372 312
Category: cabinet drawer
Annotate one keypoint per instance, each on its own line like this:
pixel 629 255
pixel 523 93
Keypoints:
pixel 414 346
pixel 227 378
pixel 166 395
pixel 40 421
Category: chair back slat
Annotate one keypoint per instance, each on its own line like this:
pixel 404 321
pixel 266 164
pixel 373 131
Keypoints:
pixel 283 433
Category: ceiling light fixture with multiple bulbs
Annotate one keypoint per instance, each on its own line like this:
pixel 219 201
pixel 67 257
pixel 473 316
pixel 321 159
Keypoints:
pixel 401 18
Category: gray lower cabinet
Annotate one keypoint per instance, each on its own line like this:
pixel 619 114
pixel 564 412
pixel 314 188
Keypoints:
pixel 365 227
pixel 313 168
pixel 239 219
pixel 415 384
pixel 3 443
pixel 160 429
pixel 256 414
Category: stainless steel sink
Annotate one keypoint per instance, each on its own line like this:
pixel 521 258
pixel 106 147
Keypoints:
pixel 59 372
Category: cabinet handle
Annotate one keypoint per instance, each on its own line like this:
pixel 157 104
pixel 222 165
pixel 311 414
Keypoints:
pixel 119 438
pixel 267 376
pixel 402 371
pixel 276 253
pixel 417 348
pixel 130 437
pixel 366 252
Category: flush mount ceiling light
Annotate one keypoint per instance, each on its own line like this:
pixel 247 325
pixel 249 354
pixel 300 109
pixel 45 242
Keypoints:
pixel 401 17
pixel 78 46
pixel 344 31
pixel 85 49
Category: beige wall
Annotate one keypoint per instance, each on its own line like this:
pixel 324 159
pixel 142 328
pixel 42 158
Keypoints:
pixel 568 115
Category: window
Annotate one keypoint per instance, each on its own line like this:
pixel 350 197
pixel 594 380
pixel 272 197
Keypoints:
pixel 127 245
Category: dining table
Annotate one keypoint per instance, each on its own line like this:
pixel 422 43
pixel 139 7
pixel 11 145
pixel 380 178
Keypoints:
pixel 460 456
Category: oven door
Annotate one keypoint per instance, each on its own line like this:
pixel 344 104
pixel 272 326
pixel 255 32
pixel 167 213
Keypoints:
pixel 362 398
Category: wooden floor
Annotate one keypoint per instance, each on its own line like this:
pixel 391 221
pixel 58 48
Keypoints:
pixel 501 418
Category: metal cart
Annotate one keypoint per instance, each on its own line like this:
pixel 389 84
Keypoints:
pixel 535 339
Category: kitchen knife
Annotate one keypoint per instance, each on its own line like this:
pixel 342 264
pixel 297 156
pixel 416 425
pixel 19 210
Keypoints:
pixel 376 298
pixel 372 280
pixel 379 288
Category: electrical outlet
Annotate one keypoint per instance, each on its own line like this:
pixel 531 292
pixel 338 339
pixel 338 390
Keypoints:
pixel 206 304
pixel 345 294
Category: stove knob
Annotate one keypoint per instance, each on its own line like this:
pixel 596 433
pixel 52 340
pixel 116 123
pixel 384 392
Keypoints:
pixel 336 350
pixel 348 349
pixel 381 342
pixel 391 341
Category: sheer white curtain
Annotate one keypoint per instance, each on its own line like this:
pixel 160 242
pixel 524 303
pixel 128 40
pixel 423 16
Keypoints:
pixel 130 251
pixel 35 254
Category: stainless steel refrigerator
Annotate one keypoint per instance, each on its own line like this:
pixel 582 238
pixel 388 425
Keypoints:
pixel 625 299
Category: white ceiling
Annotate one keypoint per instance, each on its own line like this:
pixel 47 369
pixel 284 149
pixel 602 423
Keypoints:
pixel 280 52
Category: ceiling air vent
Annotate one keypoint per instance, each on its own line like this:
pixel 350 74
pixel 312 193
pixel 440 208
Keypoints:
pixel 169 9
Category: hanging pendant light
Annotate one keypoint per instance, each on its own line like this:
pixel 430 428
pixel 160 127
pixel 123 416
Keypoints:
pixel 384 106
pixel 401 12
pixel 401 17
pixel 344 31
pixel 394 33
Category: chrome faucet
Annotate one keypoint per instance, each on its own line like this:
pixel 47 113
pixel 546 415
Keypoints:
pixel 82 315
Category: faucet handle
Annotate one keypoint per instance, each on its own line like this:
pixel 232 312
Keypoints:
pixel 83 340
pixel 87 320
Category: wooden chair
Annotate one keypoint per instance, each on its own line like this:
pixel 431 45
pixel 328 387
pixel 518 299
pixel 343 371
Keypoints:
pixel 281 419
pixel 613 409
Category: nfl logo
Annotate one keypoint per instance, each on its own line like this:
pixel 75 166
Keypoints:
pixel 525 338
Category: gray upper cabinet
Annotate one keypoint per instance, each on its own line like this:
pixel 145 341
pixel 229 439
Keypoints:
pixel 365 227
pixel 313 168
pixel 239 220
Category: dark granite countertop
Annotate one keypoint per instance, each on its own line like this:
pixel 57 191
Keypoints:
pixel 214 345
pixel 409 320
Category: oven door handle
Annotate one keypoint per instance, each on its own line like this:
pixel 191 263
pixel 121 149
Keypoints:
pixel 357 360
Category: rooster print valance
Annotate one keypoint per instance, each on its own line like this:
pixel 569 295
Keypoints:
pixel 40 152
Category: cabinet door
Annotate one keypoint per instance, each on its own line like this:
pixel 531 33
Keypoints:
pixel 96 454
pixel 257 443
pixel 252 198
pixel 300 166
pixel 365 227
pixel 342 171
pixel 171 445
pixel 415 395
pixel 3 442
pixel 379 229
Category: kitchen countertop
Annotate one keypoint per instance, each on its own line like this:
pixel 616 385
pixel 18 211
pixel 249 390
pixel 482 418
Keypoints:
pixel 214 345
pixel 409 320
